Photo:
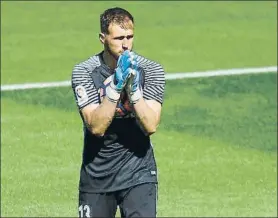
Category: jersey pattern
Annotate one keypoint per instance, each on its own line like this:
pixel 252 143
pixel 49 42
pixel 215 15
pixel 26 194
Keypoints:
pixel 120 159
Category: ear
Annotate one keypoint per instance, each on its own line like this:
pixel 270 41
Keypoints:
pixel 102 37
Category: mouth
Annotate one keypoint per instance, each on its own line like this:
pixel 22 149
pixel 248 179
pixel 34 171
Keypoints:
pixel 119 54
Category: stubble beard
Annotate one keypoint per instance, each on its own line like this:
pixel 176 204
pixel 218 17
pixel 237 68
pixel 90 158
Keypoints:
pixel 113 55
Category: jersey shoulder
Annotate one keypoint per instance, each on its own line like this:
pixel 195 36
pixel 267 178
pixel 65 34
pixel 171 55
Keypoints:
pixel 148 64
pixel 81 73
pixel 88 65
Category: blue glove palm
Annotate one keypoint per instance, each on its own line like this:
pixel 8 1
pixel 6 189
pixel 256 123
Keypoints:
pixel 135 78
pixel 123 70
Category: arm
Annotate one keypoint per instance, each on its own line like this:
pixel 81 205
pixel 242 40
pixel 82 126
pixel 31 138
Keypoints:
pixel 147 109
pixel 148 114
pixel 98 117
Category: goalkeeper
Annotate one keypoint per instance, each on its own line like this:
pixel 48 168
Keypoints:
pixel 119 94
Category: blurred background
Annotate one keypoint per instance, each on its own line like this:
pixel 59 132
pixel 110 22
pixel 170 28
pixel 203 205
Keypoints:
pixel 216 146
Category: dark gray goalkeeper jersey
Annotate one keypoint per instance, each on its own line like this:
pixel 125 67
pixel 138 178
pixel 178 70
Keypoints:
pixel 124 156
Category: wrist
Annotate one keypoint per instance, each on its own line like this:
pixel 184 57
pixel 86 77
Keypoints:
pixel 112 94
pixel 135 96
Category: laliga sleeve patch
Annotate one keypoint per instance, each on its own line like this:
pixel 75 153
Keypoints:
pixel 81 94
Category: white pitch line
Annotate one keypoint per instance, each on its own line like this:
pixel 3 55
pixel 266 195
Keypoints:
pixel 228 72
pixel 34 85
pixel 169 76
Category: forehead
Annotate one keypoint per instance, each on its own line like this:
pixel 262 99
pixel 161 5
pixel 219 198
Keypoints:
pixel 115 29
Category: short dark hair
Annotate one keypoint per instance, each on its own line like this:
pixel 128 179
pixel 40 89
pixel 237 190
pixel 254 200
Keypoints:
pixel 114 15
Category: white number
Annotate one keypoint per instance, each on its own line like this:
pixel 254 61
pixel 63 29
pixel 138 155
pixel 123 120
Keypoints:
pixel 80 209
pixel 84 210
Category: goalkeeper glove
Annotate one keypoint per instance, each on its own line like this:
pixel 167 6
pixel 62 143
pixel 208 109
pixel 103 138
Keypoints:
pixel 133 87
pixel 120 77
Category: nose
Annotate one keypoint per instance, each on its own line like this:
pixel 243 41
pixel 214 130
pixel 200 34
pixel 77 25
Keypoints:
pixel 125 44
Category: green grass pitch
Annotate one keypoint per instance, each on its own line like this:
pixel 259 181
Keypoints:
pixel 216 146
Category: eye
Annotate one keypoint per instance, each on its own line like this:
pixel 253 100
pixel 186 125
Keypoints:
pixel 119 38
pixel 129 37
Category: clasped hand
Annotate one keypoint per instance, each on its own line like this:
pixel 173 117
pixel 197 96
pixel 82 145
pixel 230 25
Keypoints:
pixel 126 76
pixel 124 70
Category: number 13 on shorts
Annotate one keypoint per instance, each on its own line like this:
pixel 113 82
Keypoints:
pixel 84 211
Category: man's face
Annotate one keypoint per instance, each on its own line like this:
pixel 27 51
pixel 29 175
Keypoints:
pixel 119 39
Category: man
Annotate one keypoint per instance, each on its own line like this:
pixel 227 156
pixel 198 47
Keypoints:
pixel 119 95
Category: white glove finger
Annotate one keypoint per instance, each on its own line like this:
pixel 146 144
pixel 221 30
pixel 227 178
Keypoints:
pixel 132 56
pixel 133 63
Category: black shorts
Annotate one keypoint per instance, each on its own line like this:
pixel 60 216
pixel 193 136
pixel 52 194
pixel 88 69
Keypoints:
pixel 138 201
